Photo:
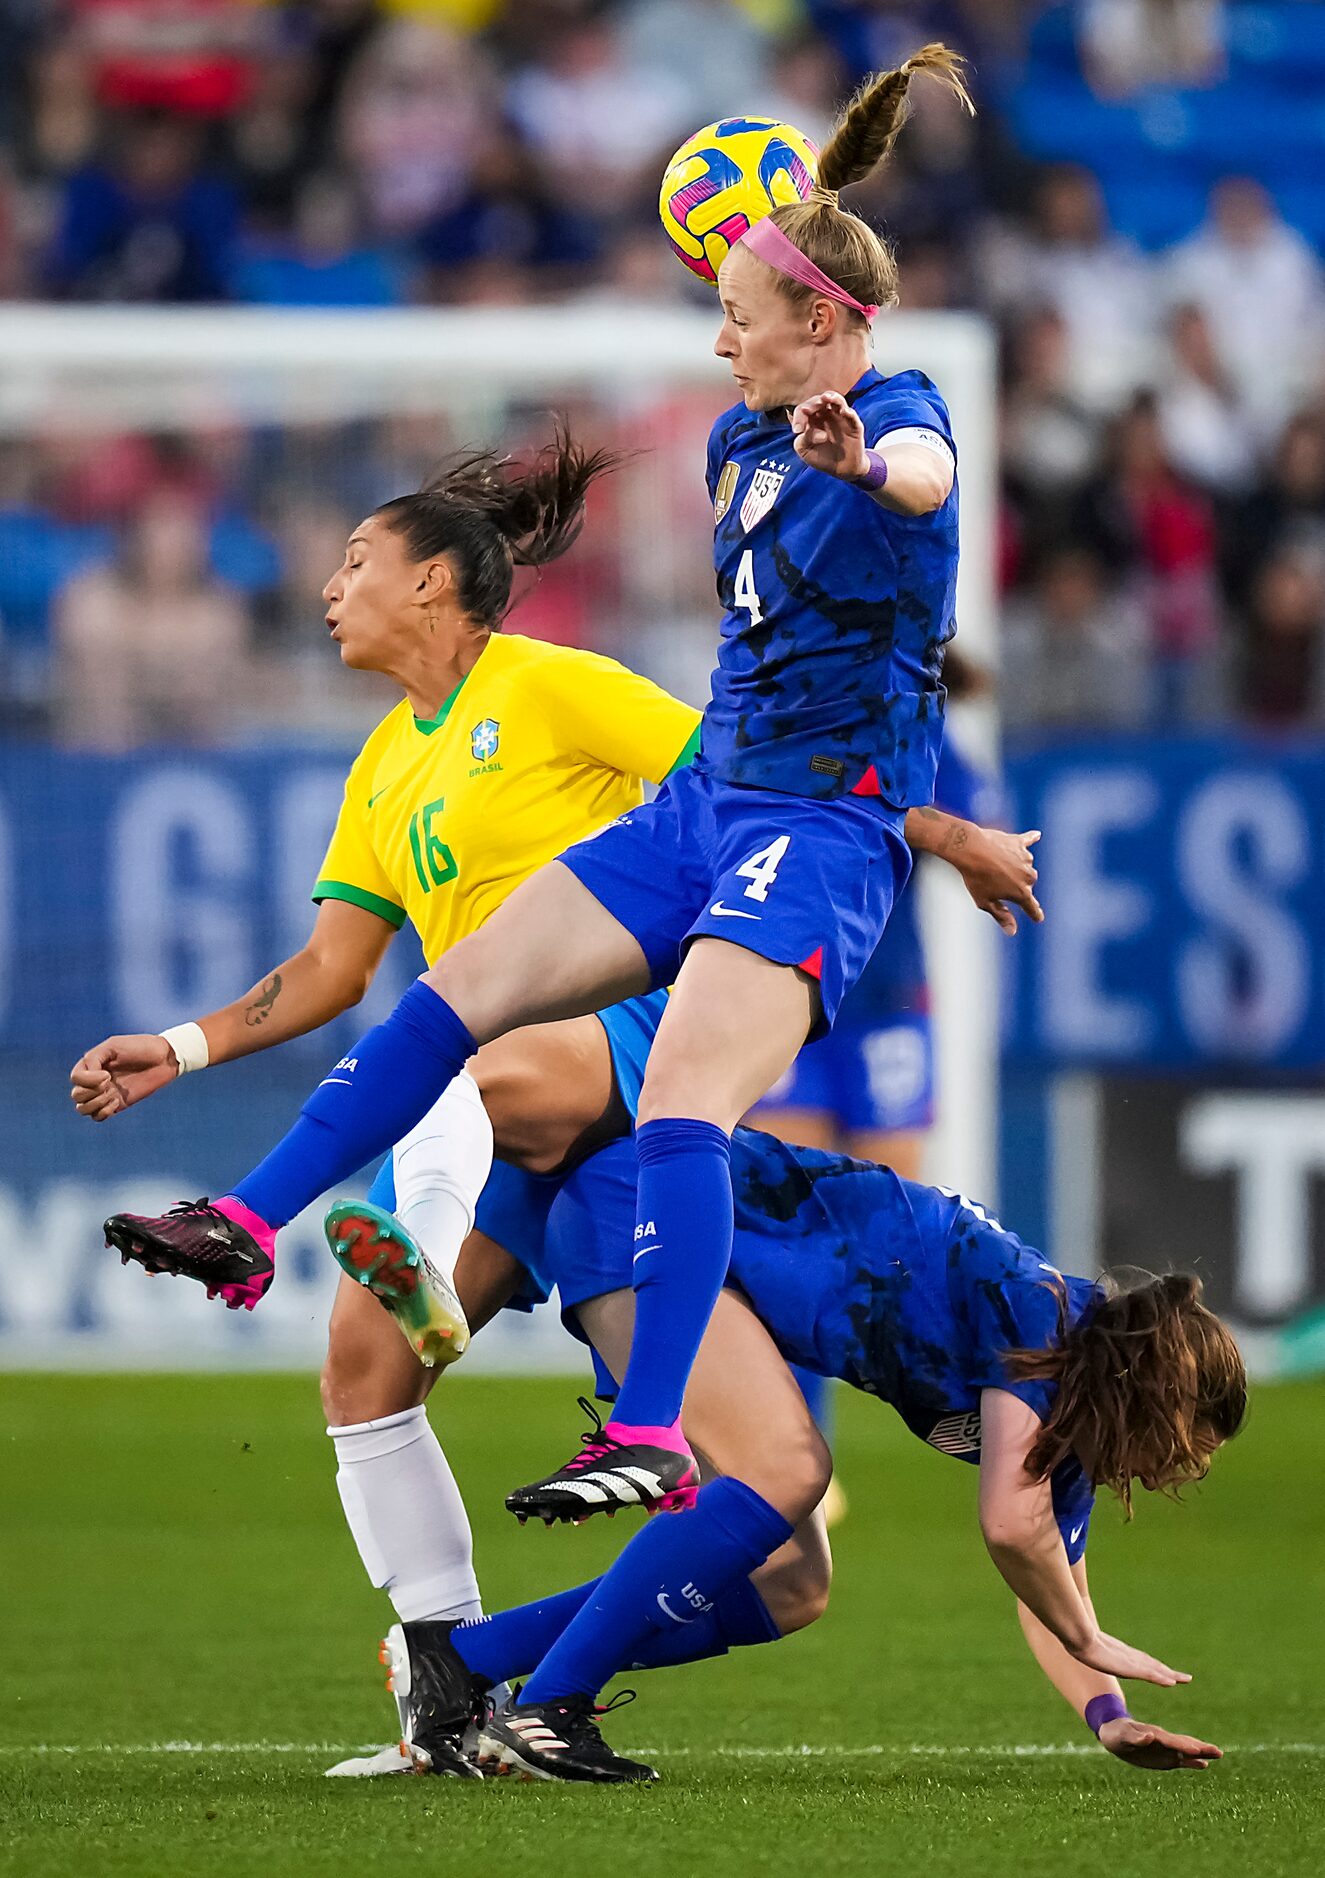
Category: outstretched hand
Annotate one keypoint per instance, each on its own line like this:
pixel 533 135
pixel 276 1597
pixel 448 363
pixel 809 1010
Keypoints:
pixel 999 871
pixel 1142 1744
pixel 119 1072
pixel 1112 1657
pixel 829 436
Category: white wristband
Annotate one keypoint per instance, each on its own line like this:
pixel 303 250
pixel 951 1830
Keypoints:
pixel 189 1045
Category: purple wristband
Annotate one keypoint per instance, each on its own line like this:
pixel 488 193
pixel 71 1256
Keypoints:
pixel 876 472
pixel 1104 1708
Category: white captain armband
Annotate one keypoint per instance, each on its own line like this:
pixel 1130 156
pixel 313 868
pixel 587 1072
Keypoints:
pixel 932 440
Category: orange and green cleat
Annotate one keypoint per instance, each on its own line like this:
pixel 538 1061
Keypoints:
pixel 371 1246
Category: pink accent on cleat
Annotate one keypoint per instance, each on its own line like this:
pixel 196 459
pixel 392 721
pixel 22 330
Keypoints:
pixel 252 1223
pixel 248 1293
pixel 681 1498
pixel 632 1436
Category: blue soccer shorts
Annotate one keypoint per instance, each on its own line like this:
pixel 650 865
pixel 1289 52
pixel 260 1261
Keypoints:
pixel 797 881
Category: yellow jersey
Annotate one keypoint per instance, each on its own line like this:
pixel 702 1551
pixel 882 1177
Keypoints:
pixel 539 746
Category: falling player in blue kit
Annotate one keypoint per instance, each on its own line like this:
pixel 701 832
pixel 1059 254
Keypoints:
pixel 1054 1386
pixel 759 880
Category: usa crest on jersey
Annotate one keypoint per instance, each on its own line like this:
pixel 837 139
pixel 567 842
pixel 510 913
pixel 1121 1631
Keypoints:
pixel 484 738
pixel 761 495
pixel 726 489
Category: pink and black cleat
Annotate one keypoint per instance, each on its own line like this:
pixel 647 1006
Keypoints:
pixel 616 1467
pixel 219 1242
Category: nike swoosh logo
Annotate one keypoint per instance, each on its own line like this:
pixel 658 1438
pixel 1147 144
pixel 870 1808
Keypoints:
pixel 1077 1531
pixel 730 912
pixel 380 794
pixel 667 1610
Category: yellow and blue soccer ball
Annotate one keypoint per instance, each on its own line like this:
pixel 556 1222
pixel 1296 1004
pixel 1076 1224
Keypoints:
pixel 726 178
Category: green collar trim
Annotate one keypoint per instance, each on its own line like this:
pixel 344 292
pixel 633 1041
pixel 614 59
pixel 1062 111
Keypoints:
pixel 429 724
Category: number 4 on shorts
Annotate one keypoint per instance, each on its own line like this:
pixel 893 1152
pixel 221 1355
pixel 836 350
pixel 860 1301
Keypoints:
pixel 761 870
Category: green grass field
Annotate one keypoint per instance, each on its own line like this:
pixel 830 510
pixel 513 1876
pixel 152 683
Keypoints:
pixel 176 1571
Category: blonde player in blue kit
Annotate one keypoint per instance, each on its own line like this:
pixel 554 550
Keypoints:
pixel 760 880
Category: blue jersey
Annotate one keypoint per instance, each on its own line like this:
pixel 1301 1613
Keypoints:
pixel 835 611
pixel 895 979
pixel 908 1293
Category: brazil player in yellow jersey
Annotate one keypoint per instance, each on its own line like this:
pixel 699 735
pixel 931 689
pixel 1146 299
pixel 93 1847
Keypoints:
pixel 501 752
pixel 533 746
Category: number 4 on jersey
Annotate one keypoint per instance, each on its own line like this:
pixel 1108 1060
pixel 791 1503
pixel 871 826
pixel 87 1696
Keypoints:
pixel 761 870
pixel 745 595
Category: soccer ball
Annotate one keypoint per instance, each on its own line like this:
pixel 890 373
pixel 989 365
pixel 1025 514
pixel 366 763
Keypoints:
pixel 727 177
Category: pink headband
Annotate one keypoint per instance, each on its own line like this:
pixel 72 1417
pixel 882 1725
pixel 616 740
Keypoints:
pixel 768 244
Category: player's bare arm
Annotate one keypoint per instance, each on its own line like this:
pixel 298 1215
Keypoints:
pixel 997 867
pixel 1022 1538
pixel 1140 1743
pixel 830 437
pixel 328 975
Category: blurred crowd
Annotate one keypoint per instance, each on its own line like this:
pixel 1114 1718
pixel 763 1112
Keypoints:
pixel 1162 548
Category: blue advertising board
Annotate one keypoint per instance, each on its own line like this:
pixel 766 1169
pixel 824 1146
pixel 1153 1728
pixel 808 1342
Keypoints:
pixel 136 892
pixel 1184 891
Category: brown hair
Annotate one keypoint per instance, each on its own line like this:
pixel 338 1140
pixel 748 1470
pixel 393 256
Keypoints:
pixel 1147 1384
pixel 489 514
pixel 842 245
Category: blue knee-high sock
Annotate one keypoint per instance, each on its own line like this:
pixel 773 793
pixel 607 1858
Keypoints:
pixel 669 1575
pixel 374 1095
pixel 512 1643
pixel 683 1239
pixel 739 1619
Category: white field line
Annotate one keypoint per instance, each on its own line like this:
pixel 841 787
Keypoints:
pixel 919 1751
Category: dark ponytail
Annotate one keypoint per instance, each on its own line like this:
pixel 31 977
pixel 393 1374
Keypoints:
pixel 1146 1385
pixel 488 514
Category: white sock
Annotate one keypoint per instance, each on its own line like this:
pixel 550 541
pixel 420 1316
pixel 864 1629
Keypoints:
pixel 440 1169
pixel 407 1517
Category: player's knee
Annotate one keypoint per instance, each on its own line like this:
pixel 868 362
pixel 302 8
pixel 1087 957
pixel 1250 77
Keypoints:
pixel 803 1603
pixel 525 1133
pixel 459 977
pixel 796 1592
pixel 358 1384
pixel 798 1478
pixel 683 1084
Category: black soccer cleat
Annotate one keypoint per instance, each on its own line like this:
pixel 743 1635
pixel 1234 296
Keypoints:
pixel 606 1475
pixel 441 1702
pixel 556 1741
pixel 199 1239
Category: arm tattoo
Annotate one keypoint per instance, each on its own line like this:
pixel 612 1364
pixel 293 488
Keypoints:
pixel 260 1009
pixel 949 835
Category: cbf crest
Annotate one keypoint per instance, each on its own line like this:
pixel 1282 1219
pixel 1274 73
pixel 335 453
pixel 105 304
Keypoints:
pixel 726 489
pixel 761 495
pixel 484 738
